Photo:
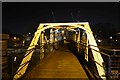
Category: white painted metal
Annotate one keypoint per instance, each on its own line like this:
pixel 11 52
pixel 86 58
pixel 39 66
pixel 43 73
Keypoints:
pixel 83 25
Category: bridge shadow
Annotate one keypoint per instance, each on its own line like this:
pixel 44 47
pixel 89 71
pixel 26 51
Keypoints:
pixel 86 66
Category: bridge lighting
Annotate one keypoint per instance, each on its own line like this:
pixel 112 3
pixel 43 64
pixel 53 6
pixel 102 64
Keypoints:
pixel 76 32
pixel 62 31
pixel 57 30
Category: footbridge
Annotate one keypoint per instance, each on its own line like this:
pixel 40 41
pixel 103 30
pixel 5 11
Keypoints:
pixel 62 50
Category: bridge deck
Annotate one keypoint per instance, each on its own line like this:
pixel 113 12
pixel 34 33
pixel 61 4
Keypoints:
pixel 60 64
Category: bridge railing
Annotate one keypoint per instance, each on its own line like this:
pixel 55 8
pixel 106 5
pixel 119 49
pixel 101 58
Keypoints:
pixel 114 61
pixel 91 62
pixel 16 55
pixel 108 60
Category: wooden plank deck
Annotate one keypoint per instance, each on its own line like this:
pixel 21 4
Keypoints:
pixel 59 64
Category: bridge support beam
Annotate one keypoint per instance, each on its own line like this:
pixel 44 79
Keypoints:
pixel 78 42
pixel 76 34
pixel 97 56
pixel 42 43
pixel 75 37
pixel 86 50
pixel 56 40
pixel 51 39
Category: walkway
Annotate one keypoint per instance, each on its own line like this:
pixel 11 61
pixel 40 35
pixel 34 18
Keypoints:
pixel 59 64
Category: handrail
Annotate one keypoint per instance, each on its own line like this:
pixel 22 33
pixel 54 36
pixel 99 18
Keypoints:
pixel 101 52
pixel 101 48
pixel 109 57
pixel 27 61
pixel 111 49
pixel 23 66
pixel 96 61
pixel 29 51
pixel 105 48
pixel 94 49
pixel 84 44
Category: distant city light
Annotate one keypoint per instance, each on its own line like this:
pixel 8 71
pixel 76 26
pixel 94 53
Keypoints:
pixel 110 37
pixel 15 38
pixel 116 40
pixel 29 33
pixel 99 40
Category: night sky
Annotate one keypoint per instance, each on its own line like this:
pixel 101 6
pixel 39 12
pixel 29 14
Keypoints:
pixel 24 17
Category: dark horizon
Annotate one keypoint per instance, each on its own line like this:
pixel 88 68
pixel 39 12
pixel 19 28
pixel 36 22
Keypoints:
pixel 24 17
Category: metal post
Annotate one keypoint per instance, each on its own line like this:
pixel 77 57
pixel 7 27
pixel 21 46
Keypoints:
pixel 55 40
pixel 83 44
pixel 51 39
pixel 75 37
